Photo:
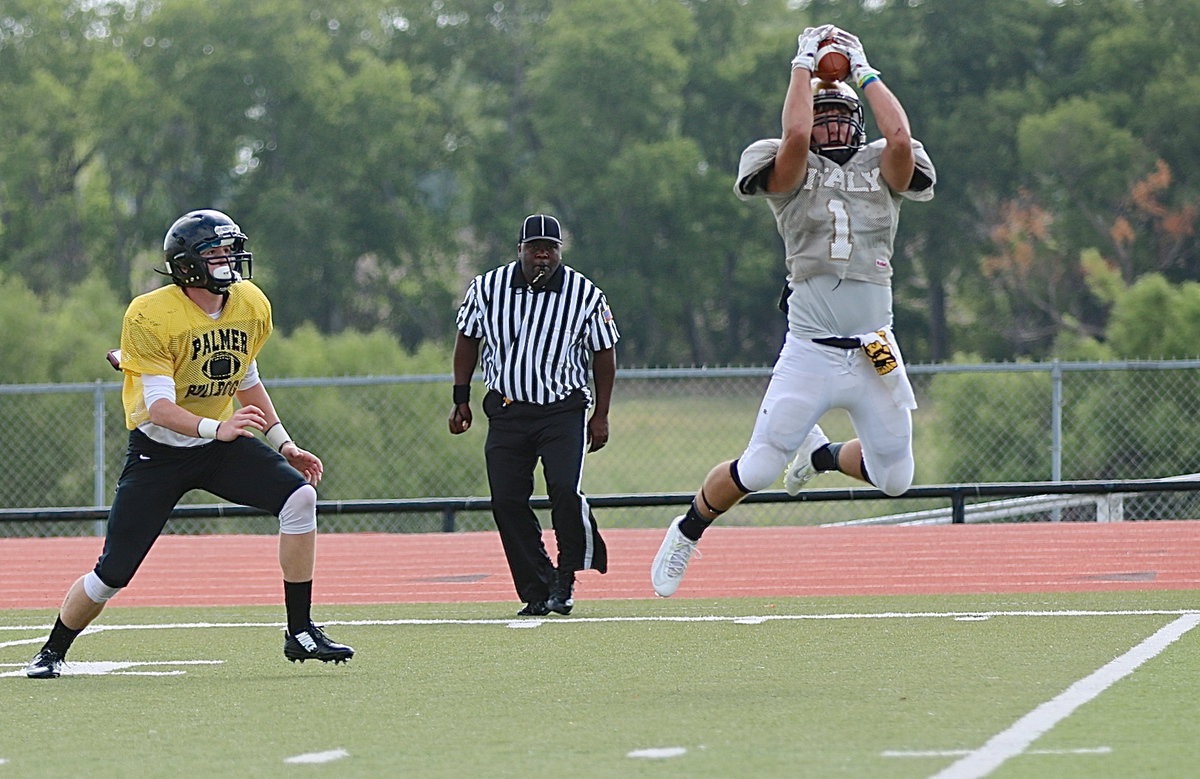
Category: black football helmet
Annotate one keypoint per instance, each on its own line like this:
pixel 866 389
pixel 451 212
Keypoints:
pixel 836 106
pixel 193 233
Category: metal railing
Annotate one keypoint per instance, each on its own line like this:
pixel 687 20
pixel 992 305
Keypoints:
pixel 1033 498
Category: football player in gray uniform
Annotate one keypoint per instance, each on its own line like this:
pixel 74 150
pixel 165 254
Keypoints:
pixel 836 201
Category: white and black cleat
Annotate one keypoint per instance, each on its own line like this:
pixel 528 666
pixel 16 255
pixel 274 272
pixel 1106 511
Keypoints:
pixel 47 664
pixel 313 644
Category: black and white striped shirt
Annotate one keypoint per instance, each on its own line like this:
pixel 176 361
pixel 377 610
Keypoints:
pixel 536 345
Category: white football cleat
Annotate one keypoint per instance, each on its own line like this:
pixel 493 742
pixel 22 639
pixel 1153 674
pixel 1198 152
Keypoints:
pixel 801 471
pixel 671 562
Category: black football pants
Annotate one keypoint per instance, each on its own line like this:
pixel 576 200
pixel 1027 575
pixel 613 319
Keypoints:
pixel 519 434
pixel 157 476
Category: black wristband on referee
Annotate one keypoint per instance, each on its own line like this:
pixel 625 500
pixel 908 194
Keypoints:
pixel 462 394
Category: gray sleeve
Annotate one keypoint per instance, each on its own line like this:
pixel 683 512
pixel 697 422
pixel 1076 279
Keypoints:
pixel 756 160
pixel 924 177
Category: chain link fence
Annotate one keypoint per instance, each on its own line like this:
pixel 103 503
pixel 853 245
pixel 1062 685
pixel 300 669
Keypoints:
pixel 387 437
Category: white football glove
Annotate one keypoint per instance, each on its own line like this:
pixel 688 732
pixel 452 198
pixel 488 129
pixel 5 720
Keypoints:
pixel 806 46
pixel 860 69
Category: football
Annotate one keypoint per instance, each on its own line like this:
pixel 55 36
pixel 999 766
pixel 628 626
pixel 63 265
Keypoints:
pixel 832 64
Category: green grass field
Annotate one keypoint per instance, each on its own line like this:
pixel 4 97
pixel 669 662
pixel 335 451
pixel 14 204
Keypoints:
pixel 860 687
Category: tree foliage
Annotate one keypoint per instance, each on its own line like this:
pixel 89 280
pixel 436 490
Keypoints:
pixel 380 154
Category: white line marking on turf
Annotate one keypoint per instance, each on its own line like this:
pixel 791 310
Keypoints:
pixel 658 753
pixel 744 619
pixel 107 667
pixel 961 752
pixel 22 642
pixel 319 757
pixel 1029 728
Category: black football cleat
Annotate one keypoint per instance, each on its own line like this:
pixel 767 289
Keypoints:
pixel 313 644
pixel 46 664
pixel 535 608
pixel 561 598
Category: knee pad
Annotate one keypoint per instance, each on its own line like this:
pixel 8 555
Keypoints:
pixel 96 589
pixel 891 478
pixel 299 513
pixel 759 467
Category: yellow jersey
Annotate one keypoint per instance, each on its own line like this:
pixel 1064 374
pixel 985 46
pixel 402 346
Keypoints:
pixel 164 333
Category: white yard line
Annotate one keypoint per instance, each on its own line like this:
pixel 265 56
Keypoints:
pixel 1016 739
pixel 40 631
pixel 961 752
pixel 319 757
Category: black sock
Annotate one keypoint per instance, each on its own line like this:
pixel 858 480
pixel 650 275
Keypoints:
pixel 694 525
pixel 297 598
pixel 826 458
pixel 61 637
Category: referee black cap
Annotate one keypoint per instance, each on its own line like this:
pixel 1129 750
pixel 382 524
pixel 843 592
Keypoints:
pixel 541 227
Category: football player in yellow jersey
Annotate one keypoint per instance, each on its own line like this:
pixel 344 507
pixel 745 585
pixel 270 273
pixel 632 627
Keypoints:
pixel 187 351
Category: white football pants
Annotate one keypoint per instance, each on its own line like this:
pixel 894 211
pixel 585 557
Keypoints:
pixel 810 379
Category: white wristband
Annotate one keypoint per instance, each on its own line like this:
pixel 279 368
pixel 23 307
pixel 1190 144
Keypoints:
pixel 278 436
pixel 207 427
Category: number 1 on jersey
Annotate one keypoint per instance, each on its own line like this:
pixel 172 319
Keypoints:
pixel 840 246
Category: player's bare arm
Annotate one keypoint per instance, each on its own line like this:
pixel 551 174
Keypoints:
pixel 306 462
pixel 256 397
pixel 174 417
pixel 791 162
pixel 897 162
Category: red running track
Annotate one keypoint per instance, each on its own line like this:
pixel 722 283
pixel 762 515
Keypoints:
pixel 736 561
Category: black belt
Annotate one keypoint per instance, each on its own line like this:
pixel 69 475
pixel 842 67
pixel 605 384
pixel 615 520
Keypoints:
pixel 494 401
pixel 839 343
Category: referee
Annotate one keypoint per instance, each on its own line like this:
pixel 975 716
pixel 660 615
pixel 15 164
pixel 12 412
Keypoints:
pixel 540 323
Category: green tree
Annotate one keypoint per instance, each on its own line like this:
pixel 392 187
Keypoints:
pixel 45 139
pixel 1151 318
pixel 379 153
pixel 656 221
pixel 57 338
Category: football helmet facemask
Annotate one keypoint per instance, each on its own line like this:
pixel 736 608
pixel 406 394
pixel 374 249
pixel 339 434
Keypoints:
pixel 837 108
pixel 196 232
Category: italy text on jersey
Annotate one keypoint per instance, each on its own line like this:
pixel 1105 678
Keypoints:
pixel 843 180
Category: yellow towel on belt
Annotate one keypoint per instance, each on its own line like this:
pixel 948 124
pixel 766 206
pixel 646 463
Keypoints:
pixel 884 353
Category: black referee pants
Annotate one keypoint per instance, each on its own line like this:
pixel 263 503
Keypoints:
pixel 519 434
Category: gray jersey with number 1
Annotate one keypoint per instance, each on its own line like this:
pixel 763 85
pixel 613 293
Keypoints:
pixel 838 224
